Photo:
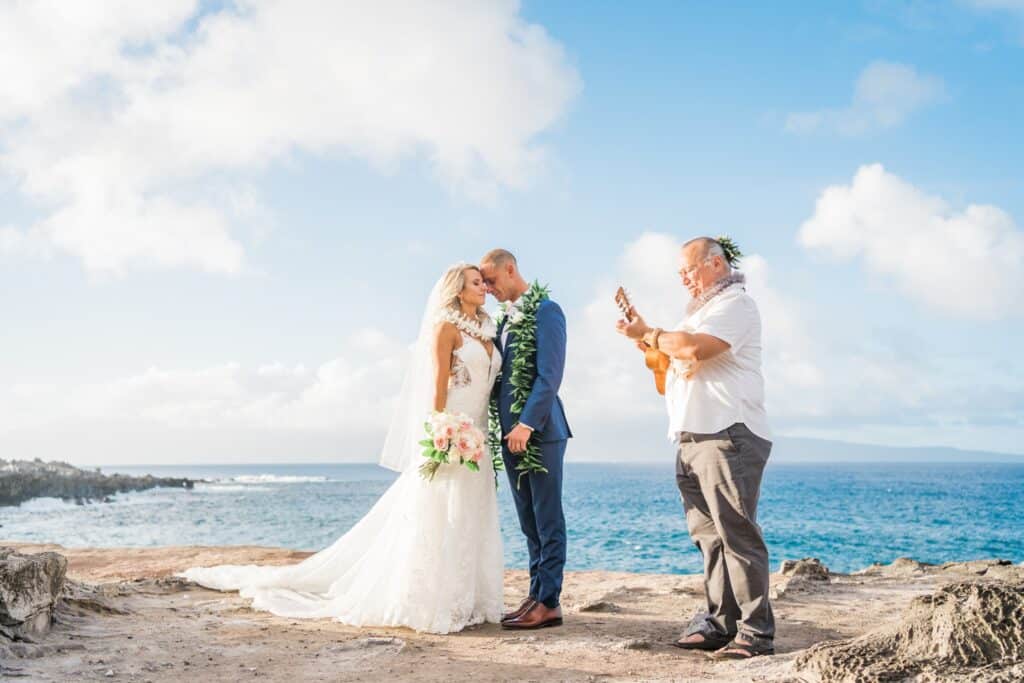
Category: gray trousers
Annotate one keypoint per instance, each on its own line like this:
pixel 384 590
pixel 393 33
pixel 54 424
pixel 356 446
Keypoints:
pixel 719 477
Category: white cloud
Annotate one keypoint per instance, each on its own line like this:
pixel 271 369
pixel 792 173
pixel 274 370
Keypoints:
pixel 1014 8
pixel 114 125
pixel 885 95
pixel 819 381
pixel 340 409
pixel 967 263
pixel 791 359
pixel 1010 5
pixel 344 402
pixel 49 49
pixel 610 394
pixel 15 243
pixel 606 378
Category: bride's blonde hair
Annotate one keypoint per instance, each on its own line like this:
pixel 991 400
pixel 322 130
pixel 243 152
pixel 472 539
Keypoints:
pixel 452 284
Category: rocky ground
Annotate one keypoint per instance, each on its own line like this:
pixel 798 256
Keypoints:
pixel 124 617
pixel 22 480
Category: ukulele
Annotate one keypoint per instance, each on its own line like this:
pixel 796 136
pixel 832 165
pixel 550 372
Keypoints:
pixel 657 362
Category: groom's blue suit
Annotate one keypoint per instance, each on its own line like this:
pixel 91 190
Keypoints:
pixel 538 497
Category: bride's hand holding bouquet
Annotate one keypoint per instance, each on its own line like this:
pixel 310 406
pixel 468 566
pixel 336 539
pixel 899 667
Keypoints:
pixel 451 439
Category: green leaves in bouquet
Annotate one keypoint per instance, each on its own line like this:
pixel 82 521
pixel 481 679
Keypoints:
pixel 429 469
pixel 435 458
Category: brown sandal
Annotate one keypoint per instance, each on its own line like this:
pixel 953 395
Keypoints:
pixel 700 641
pixel 737 649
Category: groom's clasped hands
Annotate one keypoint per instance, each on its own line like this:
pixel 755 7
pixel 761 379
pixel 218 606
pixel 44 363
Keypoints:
pixel 518 438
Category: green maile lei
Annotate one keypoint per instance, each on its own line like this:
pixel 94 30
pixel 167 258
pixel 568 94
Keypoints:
pixel 524 372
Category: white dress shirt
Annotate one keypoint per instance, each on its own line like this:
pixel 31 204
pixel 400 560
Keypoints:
pixel 512 306
pixel 509 310
pixel 728 388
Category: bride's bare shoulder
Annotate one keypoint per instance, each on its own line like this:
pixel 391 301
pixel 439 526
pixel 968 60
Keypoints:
pixel 447 333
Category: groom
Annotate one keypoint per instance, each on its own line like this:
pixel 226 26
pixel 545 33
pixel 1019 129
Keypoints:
pixel 540 420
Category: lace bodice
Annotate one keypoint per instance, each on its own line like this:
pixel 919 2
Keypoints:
pixel 472 377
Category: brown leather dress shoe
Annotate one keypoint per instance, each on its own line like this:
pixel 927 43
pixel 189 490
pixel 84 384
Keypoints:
pixel 518 611
pixel 537 616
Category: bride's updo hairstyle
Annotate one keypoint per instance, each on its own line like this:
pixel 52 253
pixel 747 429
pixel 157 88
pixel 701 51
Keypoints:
pixel 452 284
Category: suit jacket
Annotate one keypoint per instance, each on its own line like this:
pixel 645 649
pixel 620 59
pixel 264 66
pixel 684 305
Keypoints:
pixel 543 410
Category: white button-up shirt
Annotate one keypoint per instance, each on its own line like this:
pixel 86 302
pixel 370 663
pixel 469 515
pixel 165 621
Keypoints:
pixel 509 311
pixel 728 388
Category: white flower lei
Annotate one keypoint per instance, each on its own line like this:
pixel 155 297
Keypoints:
pixel 510 313
pixel 715 289
pixel 484 331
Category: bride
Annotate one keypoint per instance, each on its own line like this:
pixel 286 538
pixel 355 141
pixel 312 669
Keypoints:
pixel 428 554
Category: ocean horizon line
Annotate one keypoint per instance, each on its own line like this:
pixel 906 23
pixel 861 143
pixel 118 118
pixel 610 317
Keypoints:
pixel 998 458
pixel 787 450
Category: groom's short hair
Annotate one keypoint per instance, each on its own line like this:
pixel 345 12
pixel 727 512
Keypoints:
pixel 499 257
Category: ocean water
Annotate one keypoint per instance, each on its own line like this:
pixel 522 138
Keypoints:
pixel 619 517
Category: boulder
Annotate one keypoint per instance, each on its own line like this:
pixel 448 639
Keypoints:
pixel 807 575
pixel 970 630
pixel 809 568
pixel 901 566
pixel 30 589
pixel 979 567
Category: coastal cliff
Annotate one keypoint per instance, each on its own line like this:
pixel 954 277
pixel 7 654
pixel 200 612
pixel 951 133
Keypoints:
pixel 124 616
pixel 22 480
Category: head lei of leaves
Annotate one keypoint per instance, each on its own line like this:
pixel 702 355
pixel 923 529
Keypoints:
pixel 731 251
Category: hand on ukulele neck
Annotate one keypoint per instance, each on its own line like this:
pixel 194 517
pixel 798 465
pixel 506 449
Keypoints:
pixel 634 327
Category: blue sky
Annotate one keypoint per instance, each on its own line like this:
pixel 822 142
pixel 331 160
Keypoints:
pixel 219 222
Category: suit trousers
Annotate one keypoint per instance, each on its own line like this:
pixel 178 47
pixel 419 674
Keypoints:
pixel 538 501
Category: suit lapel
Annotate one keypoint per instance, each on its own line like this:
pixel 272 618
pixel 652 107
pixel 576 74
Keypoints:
pixel 507 345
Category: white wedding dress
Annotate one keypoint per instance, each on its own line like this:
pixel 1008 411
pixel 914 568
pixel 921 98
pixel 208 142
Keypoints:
pixel 428 555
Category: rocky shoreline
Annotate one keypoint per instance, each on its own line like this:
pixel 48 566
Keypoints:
pixel 23 480
pixel 121 614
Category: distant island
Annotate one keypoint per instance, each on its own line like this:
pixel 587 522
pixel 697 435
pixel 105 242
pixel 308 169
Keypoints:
pixel 648 443
pixel 791 449
pixel 22 480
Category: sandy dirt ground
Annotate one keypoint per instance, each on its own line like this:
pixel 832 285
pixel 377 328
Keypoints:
pixel 133 621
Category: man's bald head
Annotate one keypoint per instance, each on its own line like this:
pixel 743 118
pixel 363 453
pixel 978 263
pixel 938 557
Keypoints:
pixel 704 247
pixel 501 275
pixel 499 258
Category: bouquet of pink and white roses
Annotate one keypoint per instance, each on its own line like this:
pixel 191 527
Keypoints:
pixel 451 440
